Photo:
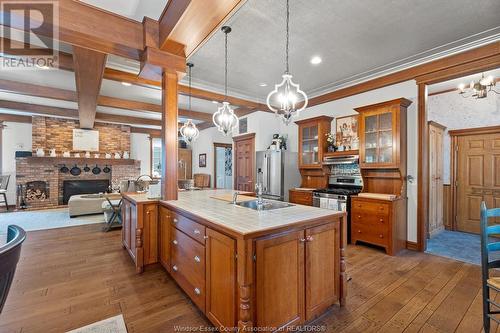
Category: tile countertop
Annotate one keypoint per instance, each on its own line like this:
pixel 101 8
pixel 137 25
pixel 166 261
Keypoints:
pixel 240 219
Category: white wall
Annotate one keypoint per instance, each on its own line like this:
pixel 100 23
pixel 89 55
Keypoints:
pixel 455 112
pixel 264 125
pixel 205 145
pixel 16 136
pixel 140 150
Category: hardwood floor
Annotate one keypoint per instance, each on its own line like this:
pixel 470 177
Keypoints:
pixel 71 277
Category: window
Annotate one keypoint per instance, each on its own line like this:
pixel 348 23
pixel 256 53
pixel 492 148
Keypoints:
pixel 156 158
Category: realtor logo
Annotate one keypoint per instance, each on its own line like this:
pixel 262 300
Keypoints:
pixel 30 34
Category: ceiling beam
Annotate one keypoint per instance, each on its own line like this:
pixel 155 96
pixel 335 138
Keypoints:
pixel 89 69
pixel 29 89
pixel 15 118
pixel 73 114
pixel 154 133
pixel 172 14
pixel 198 22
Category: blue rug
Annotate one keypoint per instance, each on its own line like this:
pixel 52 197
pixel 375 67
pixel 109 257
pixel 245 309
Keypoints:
pixel 458 245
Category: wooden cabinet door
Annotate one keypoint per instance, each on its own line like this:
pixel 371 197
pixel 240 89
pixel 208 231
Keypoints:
pixel 150 234
pixel 478 177
pixel 280 280
pixel 126 233
pixel 133 250
pixel 245 163
pixel 221 279
pixel 436 223
pixel 164 235
pixel 322 260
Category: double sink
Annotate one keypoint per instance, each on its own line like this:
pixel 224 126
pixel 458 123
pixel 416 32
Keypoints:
pixel 266 204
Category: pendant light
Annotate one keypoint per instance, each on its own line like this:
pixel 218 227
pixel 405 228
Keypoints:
pixel 224 118
pixel 189 131
pixel 286 96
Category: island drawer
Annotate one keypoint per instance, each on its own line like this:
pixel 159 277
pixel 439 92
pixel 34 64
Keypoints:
pixel 372 234
pixel 196 294
pixel 188 259
pixel 189 227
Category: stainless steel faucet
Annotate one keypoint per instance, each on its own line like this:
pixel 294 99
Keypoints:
pixel 259 187
pixel 235 197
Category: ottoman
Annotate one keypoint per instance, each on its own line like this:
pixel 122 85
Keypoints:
pixel 85 204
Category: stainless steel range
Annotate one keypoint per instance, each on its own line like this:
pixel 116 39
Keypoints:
pixel 344 181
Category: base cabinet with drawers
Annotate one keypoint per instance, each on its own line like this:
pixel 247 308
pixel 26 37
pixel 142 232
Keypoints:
pixel 379 222
pixel 273 278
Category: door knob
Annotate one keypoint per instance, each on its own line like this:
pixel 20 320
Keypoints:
pixel 174 267
pixel 175 242
pixel 197 259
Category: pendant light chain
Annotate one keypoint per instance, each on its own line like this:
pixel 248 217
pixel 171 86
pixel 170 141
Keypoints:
pixel 190 94
pixel 225 70
pixel 287 36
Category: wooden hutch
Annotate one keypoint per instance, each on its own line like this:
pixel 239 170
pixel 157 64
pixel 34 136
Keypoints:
pixel 377 218
pixel 312 147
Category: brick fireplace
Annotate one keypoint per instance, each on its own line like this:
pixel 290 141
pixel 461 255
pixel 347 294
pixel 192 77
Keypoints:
pixel 41 178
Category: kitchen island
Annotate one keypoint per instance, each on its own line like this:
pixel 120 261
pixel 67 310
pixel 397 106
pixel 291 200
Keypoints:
pixel 242 267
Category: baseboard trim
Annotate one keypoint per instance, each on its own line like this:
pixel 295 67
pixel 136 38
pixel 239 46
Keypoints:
pixel 412 246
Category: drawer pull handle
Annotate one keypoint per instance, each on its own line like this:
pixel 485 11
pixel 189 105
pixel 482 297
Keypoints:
pixel 174 267
pixel 175 242
pixel 309 238
pixel 197 291
pixel 197 259
pixel 382 220
pixel 359 216
pixel 196 231
pixel 175 220
pixel 381 236
pixel 302 240
pixel 359 231
pixel 205 237
pixel 148 212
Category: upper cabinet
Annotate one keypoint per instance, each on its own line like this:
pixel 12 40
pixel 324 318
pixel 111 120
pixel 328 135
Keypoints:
pixel 312 140
pixel 382 134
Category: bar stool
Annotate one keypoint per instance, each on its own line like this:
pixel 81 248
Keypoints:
pixel 487 281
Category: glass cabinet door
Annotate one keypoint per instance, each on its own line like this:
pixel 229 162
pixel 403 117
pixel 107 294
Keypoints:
pixel 310 145
pixel 378 138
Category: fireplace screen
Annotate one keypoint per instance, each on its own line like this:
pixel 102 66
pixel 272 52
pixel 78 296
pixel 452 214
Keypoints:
pixel 37 191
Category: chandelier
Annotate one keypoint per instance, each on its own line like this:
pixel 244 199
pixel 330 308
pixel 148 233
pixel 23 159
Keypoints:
pixel 287 100
pixel 189 131
pixel 224 118
pixel 478 89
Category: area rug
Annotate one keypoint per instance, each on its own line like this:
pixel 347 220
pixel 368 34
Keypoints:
pixel 111 325
pixel 45 219
pixel 457 245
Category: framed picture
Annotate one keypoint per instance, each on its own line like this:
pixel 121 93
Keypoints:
pixel 347 131
pixel 243 125
pixel 203 161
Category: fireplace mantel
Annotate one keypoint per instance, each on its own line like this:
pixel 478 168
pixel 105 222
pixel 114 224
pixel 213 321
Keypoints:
pixel 80 160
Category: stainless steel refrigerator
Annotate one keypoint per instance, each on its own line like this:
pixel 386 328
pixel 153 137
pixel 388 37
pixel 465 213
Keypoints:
pixel 280 172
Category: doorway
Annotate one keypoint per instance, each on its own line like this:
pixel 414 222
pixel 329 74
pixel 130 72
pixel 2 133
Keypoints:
pixel 244 162
pixel 223 165
pixel 463 165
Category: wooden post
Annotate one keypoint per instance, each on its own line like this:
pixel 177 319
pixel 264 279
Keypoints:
pixel 245 279
pixel 169 135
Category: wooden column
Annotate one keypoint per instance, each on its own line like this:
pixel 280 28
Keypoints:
pixel 169 135
pixel 245 269
pixel 423 168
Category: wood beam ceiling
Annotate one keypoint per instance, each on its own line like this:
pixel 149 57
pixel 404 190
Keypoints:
pixel 89 68
pixel 29 89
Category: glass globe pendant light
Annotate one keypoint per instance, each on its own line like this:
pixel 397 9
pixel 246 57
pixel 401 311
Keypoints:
pixel 224 118
pixel 189 131
pixel 287 100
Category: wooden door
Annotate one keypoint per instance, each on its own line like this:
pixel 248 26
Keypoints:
pixel 322 260
pixel 436 134
pixel 244 162
pixel 164 232
pixel 280 280
pixel 478 178
pixel 221 279
pixel 185 170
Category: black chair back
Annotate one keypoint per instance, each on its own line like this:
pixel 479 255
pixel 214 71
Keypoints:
pixel 9 256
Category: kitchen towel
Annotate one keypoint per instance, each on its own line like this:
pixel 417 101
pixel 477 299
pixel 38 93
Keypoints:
pixel 333 204
pixel 323 203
